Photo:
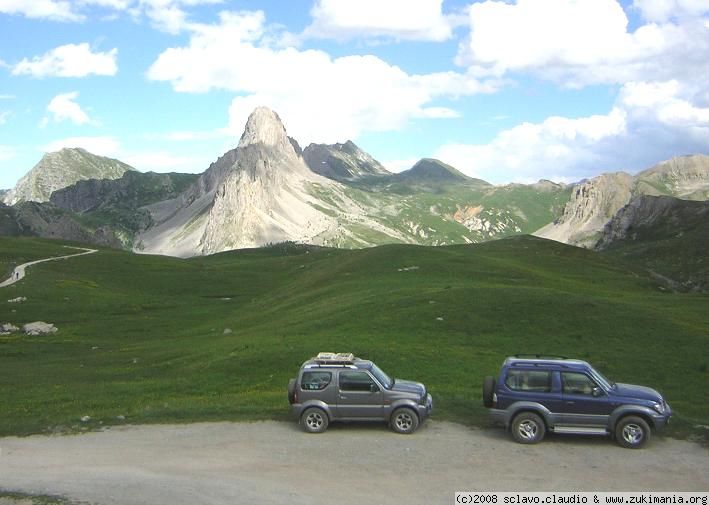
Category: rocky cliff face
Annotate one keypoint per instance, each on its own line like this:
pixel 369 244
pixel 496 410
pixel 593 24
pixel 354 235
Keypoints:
pixel 646 215
pixel 590 207
pixel 132 191
pixel 342 162
pixel 61 169
pixel 265 197
pixel 595 202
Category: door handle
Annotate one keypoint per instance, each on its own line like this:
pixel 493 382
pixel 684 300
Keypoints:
pixel 570 403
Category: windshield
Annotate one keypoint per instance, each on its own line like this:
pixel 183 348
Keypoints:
pixel 605 383
pixel 381 376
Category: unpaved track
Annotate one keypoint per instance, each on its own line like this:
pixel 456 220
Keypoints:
pixel 276 463
pixel 19 272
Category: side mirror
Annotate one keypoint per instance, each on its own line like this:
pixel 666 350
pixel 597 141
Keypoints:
pixel 597 391
pixel 374 388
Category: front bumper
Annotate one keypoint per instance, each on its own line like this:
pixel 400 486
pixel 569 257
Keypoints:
pixel 425 410
pixel 660 421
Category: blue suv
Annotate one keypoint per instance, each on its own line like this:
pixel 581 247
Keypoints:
pixel 534 394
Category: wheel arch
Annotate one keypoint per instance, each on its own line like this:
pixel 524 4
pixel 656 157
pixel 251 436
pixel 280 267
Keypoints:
pixel 319 404
pixel 626 411
pixel 531 407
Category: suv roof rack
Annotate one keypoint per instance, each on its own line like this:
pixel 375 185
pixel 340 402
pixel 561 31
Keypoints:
pixel 334 358
pixel 540 356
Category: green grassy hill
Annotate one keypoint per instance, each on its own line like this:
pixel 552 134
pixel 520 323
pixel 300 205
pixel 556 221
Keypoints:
pixel 158 339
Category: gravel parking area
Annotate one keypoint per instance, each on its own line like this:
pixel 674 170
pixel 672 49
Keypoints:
pixel 276 463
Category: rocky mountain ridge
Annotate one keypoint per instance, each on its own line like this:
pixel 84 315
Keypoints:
pixel 594 202
pixel 60 169
pixel 342 162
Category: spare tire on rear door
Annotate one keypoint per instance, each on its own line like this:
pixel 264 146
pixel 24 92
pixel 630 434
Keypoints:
pixel 489 384
pixel 291 391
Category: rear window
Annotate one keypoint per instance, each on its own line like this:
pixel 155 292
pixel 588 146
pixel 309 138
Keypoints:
pixel 529 380
pixel 313 381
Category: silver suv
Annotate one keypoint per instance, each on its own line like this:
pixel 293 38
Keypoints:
pixel 342 387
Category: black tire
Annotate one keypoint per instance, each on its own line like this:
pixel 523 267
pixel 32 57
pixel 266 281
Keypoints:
pixel 632 432
pixel 527 428
pixel 314 420
pixel 489 384
pixel 291 391
pixel 404 421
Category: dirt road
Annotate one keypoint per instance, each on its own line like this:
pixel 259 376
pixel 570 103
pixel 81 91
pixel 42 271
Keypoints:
pixel 276 463
pixel 19 272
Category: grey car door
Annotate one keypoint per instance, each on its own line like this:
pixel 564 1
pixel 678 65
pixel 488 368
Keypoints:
pixel 359 396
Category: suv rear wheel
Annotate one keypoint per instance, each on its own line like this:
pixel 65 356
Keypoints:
pixel 314 420
pixel 632 432
pixel 527 428
pixel 404 421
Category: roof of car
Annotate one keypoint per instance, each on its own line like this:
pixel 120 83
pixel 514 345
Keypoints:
pixel 537 360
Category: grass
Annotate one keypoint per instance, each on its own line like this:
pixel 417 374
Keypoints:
pixel 154 339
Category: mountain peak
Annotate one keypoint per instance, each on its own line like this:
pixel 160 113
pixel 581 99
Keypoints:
pixel 264 127
pixel 59 169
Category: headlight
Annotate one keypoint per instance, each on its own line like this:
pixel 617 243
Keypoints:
pixel 660 407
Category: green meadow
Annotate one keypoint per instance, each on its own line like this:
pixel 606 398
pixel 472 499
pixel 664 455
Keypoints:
pixel 146 339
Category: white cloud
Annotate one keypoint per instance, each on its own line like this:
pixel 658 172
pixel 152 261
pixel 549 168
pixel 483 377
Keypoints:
pixel 649 122
pixel 102 146
pixel 581 42
pixel 322 99
pixel 396 19
pixel 660 11
pixel 4 116
pixel 400 165
pixel 55 10
pixel 70 60
pixel 63 107
pixel 167 15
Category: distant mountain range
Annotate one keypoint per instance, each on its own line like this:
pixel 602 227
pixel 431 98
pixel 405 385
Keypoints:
pixel 269 190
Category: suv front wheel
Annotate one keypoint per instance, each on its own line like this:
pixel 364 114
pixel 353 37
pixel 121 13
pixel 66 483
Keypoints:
pixel 404 421
pixel 527 428
pixel 632 432
pixel 314 420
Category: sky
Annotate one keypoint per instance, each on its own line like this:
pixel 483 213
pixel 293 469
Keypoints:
pixel 503 90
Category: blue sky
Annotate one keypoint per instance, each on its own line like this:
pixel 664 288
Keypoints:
pixel 508 91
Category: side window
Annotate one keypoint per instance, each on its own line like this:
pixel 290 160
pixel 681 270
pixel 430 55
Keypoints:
pixel 538 381
pixel 315 380
pixel 357 381
pixel 577 383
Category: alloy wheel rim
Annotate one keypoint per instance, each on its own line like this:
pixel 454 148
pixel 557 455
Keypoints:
pixel 527 430
pixel 314 421
pixel 632 433
pixel 404 421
